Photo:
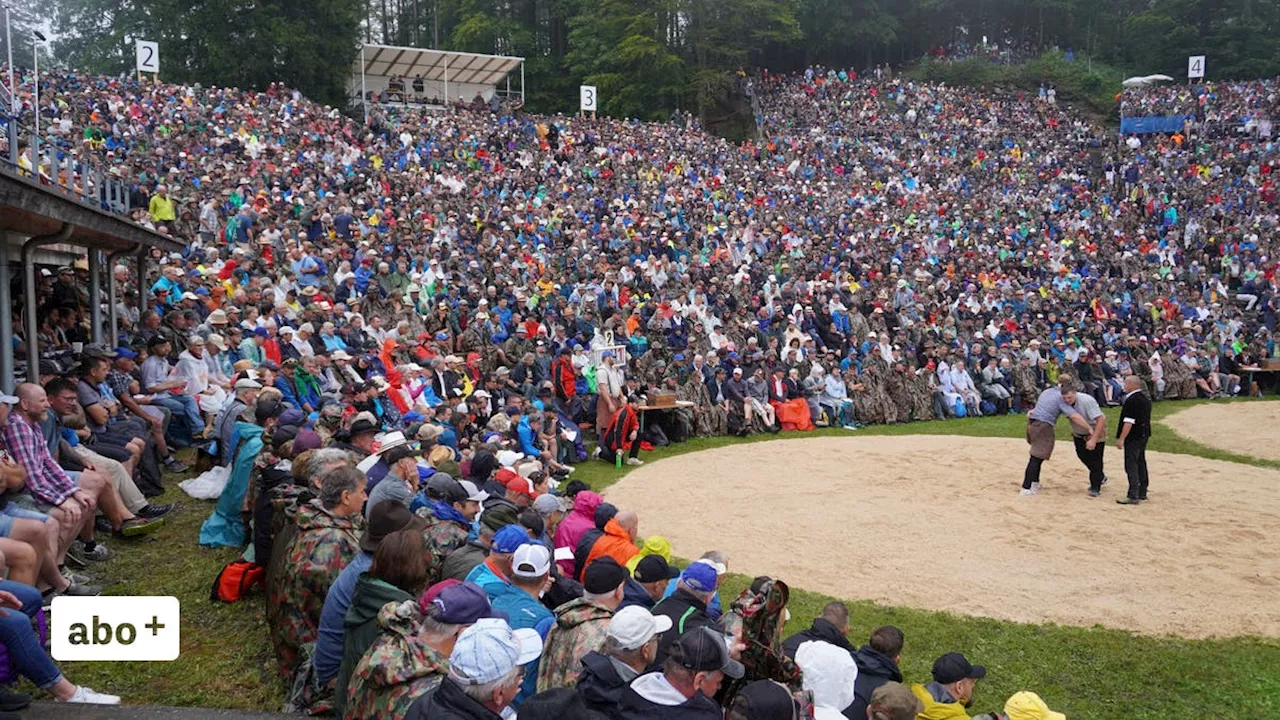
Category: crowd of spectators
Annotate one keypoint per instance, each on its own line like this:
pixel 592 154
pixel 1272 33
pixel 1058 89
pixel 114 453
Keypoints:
pixel 395 341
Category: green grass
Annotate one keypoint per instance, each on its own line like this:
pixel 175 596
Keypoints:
pixel 1093 673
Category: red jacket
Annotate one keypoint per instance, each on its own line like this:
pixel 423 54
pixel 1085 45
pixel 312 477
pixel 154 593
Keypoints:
pixel 563 378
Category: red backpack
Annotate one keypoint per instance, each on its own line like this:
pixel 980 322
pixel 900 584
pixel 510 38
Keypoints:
pixel 235 580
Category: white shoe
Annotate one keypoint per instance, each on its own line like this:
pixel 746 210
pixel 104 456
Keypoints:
pixel 1035 488
pixel 595 453
pixel 568 468
pixel 850 427
pixel 1027 491
pixel 89 696
pixel 634 461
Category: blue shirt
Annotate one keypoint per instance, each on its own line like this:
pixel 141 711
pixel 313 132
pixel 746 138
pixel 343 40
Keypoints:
pixel 328 653
pixel 524 611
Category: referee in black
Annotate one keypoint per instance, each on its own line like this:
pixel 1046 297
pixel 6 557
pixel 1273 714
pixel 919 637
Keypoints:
pixel 1134 431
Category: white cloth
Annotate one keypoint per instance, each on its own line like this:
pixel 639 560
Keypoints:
pixel 829 673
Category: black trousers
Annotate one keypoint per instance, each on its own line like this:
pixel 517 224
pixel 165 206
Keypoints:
pixel 1092 459
pixel 608 455
pixel 1135 467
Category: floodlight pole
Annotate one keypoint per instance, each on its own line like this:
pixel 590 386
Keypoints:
pixel 522 83
pixel 364 94
pixel 446 81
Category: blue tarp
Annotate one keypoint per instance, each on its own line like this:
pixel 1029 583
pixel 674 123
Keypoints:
pixel 1152 124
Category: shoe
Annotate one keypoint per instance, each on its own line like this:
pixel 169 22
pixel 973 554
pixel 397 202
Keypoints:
pixel 79 590
pixel 1035 488
pixel 102 524
pixel 1027 491
pixel 595 453
pixel 174 465
pixel 634 461
pixel 850 427
pixel 11 701
pixel 155 511
pixel 568 469
pixel 1128 501
pixel 76 578
pixel 89 696
pixel 1142 498
pixel 137 526
pixel 83 556
pixel 1105 479
pixel 1094 493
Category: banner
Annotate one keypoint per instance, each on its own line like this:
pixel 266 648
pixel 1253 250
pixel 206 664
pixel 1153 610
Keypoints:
pixel 1152 124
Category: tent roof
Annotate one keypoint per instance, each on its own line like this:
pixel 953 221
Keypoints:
pixel 463 68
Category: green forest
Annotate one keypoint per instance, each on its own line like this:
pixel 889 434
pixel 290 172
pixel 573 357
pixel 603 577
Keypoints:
pixel 652 57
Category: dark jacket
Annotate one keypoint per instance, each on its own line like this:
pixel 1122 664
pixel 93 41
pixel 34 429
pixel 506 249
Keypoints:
pixel 821 629
pixel 686 612
pixel 600 685
pixel 633 593
pixel 448 702
pixel 874 670
pixel 361 627
pixel 651 697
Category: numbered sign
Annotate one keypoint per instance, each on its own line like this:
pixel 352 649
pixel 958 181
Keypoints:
pixel 1195 67
pixel 148 56
pixel 589 98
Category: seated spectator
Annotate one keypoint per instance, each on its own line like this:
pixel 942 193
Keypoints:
pixel 413 651
pixel 630 647
pixel 698 662
pixel 877 664
pixel 327 539
pixel 519 601
pixel 648 582
pixel 484 673
pixel 829 673
pixel 575 524
pixel 582 624
pixel 766 700
pixel 687 607
pixel 401 480
pixel 952 688
pixel 460 562
pixel 326 660
pixel 494 574
pixel 893 701
pixel 447 518
pixel 618 540
pixel 398 574
pixel 1026 705
pixel 831 626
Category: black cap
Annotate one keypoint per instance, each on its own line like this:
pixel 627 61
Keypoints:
pixel 558 704
pixel 442 486
pixel 703 650
pixel 764 700
pixel 653 568
pixel 603 576
pixel 498 517
pixel 361 426
pixel 385 518
pixel 954 667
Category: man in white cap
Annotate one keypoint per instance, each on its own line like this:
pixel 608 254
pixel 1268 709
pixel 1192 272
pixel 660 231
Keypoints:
pixel 530 577
pixel 629 648
pixel 485 671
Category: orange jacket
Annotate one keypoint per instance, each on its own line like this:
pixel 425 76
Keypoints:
pixel 615 543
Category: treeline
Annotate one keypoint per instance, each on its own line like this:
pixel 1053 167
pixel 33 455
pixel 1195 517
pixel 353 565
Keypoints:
pixel 652 57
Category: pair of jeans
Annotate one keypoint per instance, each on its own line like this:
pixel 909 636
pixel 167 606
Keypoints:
pixel 21 641
pixel 1092 459
pixel 183 406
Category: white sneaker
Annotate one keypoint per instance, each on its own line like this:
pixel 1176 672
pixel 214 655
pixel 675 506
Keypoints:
pixel 89 696
pixel 569 468
pixel 850 427
pixel 1027 491
pixel 1035 488
pixel 634 461
pixel 595 452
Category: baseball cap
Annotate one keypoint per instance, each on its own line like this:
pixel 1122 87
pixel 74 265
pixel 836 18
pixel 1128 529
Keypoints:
pixel 894 701
pixel 699 576
pixel 473 492
pixel 953 666
pixel 507 540
pixel 547 503
pixel 461 604
pixel 489 650
pixel 519 484
pixel 1026 705
pixel 531 560
pixel 703 649
pixel 633 626
pixel 766 700
pixel 124 352
pixel 442 485
pixel 385 518
pixel 653 568
pixel 603 576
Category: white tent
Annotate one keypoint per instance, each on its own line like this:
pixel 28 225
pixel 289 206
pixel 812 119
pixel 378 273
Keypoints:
pixel 1145 80
pixel 445 76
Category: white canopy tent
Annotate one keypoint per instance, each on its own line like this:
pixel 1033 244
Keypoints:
pixel 444 76
pixel 1145 80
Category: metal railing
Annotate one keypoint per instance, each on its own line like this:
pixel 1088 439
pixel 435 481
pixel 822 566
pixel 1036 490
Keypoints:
pixel 73 177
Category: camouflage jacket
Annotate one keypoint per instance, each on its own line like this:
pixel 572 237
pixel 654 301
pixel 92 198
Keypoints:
pixel 324 544
pixel 580 627
pixel 398 668
pixel 443 537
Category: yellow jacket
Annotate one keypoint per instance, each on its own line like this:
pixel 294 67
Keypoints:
pixel 934 710
pixel 161 208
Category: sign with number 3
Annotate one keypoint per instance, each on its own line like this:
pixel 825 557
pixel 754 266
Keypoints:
pixel 589 97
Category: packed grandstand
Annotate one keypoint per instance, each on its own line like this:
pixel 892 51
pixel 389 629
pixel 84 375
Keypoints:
pixel 448 311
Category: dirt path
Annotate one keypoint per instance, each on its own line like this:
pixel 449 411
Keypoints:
pixel 936 522
pixel 1246 428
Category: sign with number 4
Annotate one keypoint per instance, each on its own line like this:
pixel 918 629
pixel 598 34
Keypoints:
pixel 148 56
pixel 589 97
pixel 1195 67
